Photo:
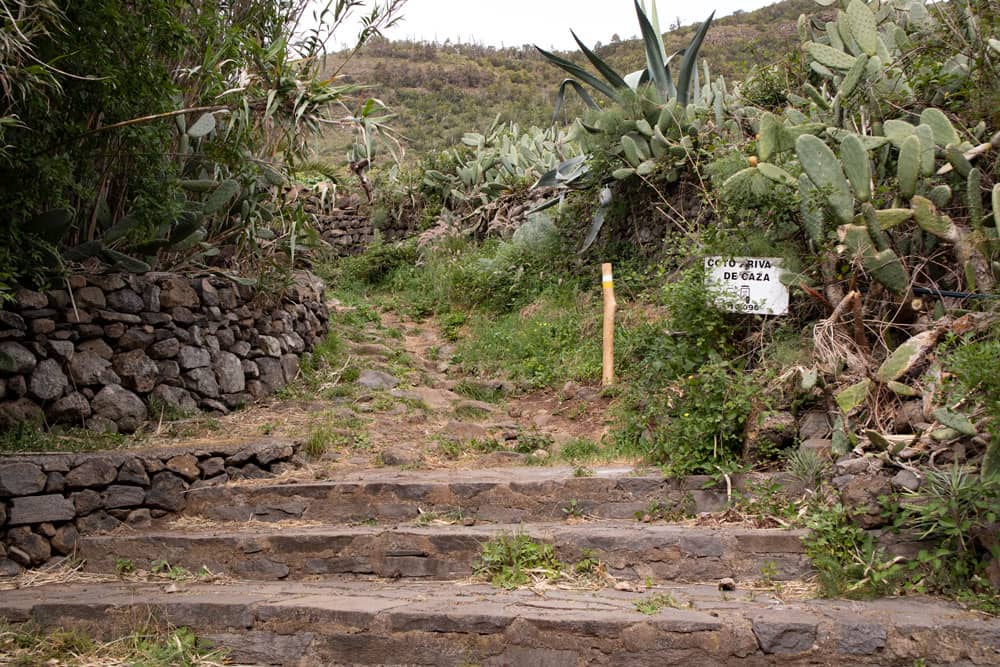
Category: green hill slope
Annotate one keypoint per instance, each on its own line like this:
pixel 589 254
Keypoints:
pixel 440 91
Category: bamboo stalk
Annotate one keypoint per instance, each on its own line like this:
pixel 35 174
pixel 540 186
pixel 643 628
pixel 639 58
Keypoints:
pixel 608 289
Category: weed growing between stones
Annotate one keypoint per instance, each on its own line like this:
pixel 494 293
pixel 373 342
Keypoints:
pixel 958 513
pixel 653 604
pixel 449 517
pixel 573 510
pixel 807 467
pixel 659 510
pixel 847 559
pixel 493 392
pixel 516 561
pixel 26 437
pixel 336 431
pixel 955 514
pixel 28 644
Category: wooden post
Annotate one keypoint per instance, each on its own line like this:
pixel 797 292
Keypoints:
pixel 608 288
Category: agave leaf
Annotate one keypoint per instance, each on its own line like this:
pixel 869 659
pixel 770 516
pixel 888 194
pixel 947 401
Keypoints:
pixel 580 73
pixel 690 56
pixel 595 228
pixel 612 76
pixel 580 90
pixel 565 173
pixel 655 64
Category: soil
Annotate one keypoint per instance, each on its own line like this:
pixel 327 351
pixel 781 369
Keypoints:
pixel 424 422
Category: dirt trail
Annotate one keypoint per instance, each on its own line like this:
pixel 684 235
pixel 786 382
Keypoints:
pixel 411 407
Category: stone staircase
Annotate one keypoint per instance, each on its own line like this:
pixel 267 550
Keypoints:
pixel 374 569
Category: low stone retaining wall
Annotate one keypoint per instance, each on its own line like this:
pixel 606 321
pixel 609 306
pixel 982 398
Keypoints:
pixel 101 351
pixel 349 226
pixel 48 500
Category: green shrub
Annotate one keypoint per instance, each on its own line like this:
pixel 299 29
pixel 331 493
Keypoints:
pixel 847 560
pixel 696 424
pixel 378 263
pixel 975 378
pixel 958 512
pixel 510 561
pixel 685 403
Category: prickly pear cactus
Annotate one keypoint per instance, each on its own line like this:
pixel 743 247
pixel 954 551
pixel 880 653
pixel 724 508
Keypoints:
pixel 826 173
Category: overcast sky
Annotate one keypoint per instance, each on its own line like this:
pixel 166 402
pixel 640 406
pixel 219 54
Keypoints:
pixel 545 22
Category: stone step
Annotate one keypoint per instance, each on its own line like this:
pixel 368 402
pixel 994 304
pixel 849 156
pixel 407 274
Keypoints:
pixel 502 495
pixel 424 623
pixel 630 550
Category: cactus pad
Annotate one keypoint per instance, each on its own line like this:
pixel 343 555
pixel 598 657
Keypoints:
pixel 857 166
pixel 825 171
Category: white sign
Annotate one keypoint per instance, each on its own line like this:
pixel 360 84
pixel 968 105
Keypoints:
pixel 747 284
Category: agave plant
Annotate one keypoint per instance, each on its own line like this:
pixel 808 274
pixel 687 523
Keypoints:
pixel 657 71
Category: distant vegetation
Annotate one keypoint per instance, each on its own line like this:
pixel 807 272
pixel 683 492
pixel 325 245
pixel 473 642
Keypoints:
pixel 440 91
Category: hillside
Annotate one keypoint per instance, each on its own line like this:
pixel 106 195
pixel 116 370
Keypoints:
pixel 440 91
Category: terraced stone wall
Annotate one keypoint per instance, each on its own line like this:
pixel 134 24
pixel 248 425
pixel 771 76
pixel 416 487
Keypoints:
pixel 48 500
pixel 108 351
pixel 350 226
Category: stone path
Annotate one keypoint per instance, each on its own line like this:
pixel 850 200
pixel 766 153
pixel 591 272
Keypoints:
pixel 343 563
pixel 407 623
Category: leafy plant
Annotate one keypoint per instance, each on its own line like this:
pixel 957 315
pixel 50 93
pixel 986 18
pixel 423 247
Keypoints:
pixel 847 560
pixel 154 134
pixel 124 566
pixel 653 604
pixel 660 510
pixel 573 509
pixel 512 561
pixel 807 467
pixel 958 513
pixel 164 569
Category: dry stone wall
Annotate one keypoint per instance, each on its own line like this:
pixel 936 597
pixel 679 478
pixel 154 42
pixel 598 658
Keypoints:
pixel 48 500
pixel 347 227
pixel 105 348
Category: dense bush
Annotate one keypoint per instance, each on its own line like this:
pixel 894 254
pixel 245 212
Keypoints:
pixel 158 126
